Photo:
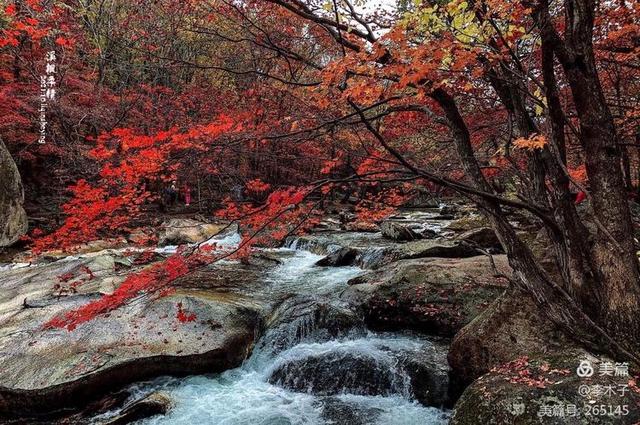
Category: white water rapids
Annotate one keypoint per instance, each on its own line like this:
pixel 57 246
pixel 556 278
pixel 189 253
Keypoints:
pixel 243 396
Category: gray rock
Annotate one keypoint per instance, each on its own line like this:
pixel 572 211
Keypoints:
pixel 427 233
pixel 468 222
pixel 523 392
pixel 336 411
pixel 303 317
pixel 482 237
pixel 431 295
pixel 45 369
pixel 13 218
pixel 374 251
pixel 339 258
pixel 449 210
pixel 337 373
pixel 397 232
pixel 509 328
pixel 177 231
pixel 421 374
pixel 156 403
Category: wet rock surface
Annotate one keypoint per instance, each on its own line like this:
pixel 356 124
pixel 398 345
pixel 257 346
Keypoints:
pixel 373 251
pixel 436 296
pixel 337 411
pixel 309 318
pixel 397 232
pixel 340 257
pixel 157 403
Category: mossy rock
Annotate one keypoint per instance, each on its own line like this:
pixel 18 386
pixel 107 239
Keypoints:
pixel 468 222
pixel 430 295
pixel 509 328
pixel 547 391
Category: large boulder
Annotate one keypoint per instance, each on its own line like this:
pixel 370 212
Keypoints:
pixel 338 258
pixel 511 327
pixel 13 218
pixel 468 222
pixel 177 231
pixel 547 390
pixel 334 373
pixel 431 295
pixel 397 232
pixel 481 237
pixel 208 324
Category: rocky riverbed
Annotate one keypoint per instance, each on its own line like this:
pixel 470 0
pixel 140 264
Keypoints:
pixel 411 324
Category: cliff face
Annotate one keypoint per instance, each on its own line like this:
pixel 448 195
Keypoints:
pixel 13 218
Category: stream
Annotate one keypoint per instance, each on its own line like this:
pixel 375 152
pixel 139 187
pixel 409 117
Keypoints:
pixel 299 373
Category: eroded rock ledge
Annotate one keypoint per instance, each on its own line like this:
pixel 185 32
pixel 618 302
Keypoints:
pixel 45 370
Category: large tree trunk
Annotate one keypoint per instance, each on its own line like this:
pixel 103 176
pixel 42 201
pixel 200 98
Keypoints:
pixel 613 253
pixel 557 303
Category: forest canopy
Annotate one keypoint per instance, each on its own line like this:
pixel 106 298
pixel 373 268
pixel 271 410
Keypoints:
pixel 273 110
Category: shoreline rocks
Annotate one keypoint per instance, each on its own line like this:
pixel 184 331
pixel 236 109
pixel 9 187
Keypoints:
pixel 156 403
pixel 46 370
pixel 434 295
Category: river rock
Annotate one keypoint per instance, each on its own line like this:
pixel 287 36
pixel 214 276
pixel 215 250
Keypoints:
pixel 337 411
pixel 547 390
pixel 482 237
pixel 432 295
pixel 45 369
pixel 511 327
pixel 468 222
pixel 336 373
pixel 340 257
pixel 449 210
pixel 177 231
pixel 374 251
pixel 429 373
pixel 13 218
pixel 397 232
pixel 361 226
pixel 156 403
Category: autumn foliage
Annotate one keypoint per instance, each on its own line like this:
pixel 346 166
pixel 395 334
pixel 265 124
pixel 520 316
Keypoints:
pixel 280 112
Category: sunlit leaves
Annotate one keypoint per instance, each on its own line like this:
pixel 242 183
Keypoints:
pixel 533 143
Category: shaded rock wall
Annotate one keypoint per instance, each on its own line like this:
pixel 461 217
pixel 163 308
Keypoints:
pixel 13 218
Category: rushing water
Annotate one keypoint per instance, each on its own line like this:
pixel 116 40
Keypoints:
pixel 244 396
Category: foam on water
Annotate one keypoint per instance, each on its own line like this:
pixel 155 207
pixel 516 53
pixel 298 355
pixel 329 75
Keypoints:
pixel 243 398
pixel 227 241
pixel 298 274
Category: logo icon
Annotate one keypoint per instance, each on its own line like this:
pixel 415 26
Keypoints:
pixel 585 369
pixel 517 408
